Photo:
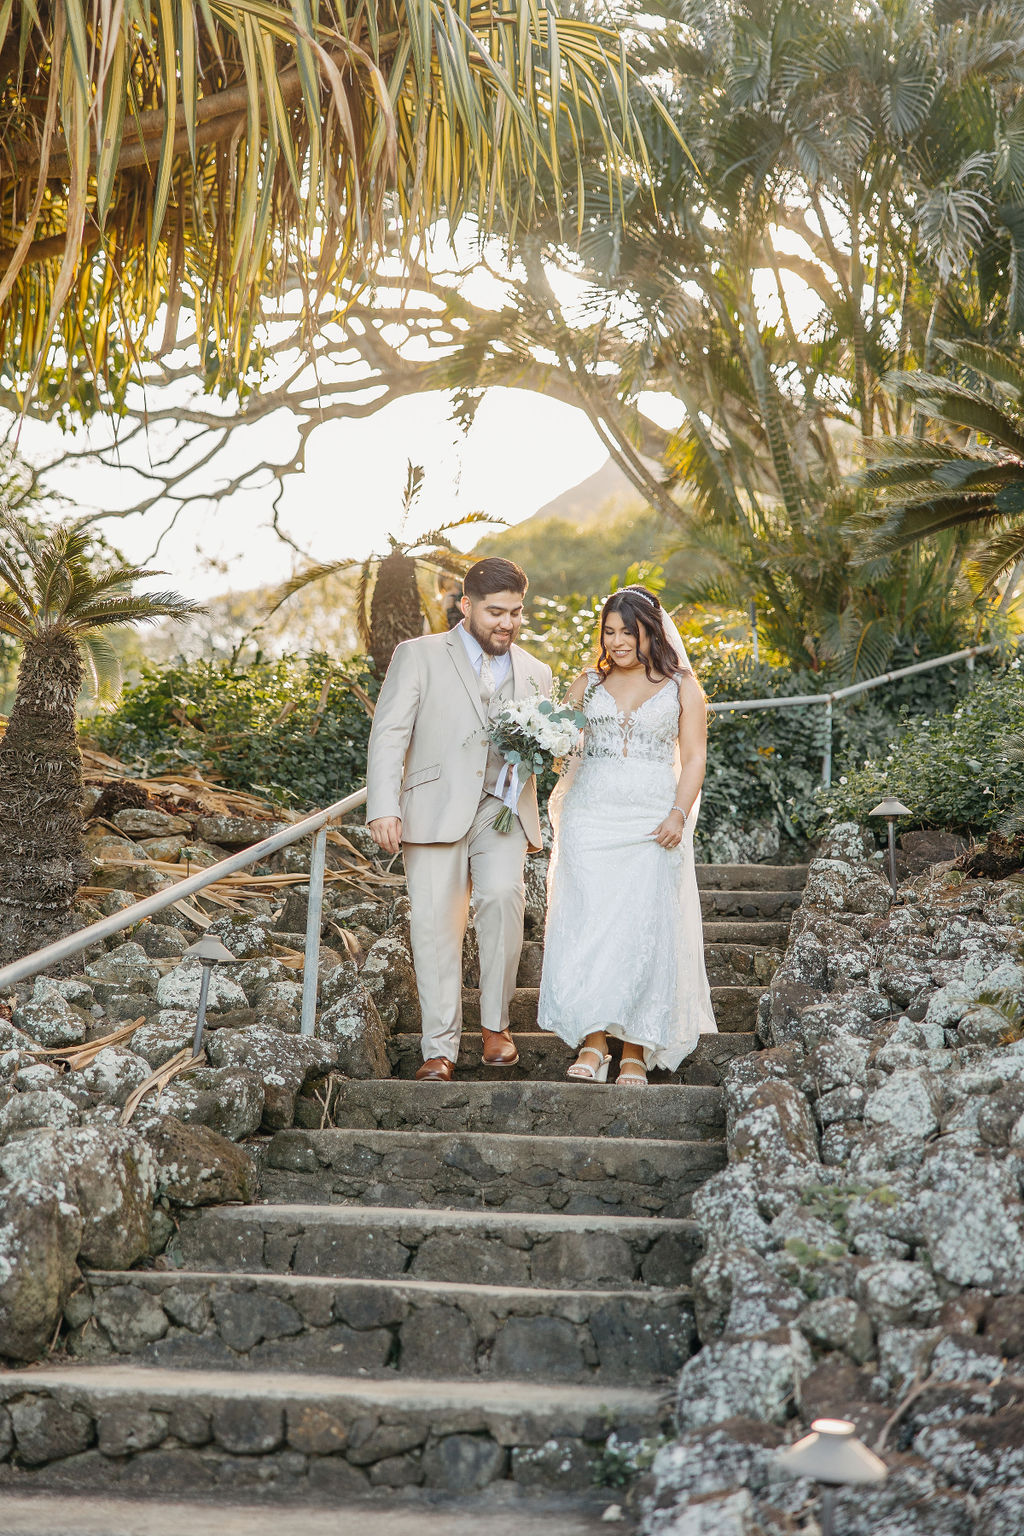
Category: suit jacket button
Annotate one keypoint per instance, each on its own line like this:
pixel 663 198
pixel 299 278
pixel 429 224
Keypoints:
pixel 479 773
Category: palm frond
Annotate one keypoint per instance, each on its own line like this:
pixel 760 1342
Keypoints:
pixel 13 621
pixel 319 571
pixel 17 532
pixel 213 146
pixel 142 608
pixel 102 664
pixel 957 405
pixel 998 555
pixel 996 367
pixel 439 535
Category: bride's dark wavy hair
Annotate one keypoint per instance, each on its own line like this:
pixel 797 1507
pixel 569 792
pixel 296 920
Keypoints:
pixel 636 606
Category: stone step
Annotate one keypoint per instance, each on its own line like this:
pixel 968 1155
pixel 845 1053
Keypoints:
pixel 735 1007
pixel 729 901
pixel 752 877
pixel 122 1429
pixel 739 964
pixel 505 1509
pixel 747 930
pixel 544 1057
pixel 668 1111
pixel 427 1329
pixel 577 1174
pixel 488 1247
pixel 749 933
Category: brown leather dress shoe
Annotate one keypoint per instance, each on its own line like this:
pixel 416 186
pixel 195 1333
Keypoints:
pixel 499 1048
pixel 436 1070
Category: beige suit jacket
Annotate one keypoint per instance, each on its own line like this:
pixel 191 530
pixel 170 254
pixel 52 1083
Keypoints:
pixel 428 745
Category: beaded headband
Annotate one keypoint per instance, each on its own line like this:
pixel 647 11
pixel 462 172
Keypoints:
pixel 642 594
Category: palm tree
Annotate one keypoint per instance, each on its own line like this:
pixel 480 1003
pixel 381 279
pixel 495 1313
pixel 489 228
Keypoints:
pixel 57 605
pixel 396 591
pixel 969 474
pixel 822 605
pixel 209 153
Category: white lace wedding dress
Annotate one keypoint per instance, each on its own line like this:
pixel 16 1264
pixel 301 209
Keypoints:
pixel 624 949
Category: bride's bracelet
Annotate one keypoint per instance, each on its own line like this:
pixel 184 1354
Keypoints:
pixel 681 812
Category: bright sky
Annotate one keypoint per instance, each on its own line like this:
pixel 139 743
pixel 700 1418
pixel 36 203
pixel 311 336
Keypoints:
pixel 523 450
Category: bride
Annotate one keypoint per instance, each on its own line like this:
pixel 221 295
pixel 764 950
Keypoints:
pixel 624 950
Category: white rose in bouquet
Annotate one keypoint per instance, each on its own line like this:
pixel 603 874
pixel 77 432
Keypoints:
pixel 530 734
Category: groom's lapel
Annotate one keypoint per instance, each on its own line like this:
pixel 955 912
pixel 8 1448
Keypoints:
pixel 521 681
pixel 464 667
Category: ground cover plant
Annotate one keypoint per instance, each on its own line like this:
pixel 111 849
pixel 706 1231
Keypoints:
pixel 955 768
pixel 294 728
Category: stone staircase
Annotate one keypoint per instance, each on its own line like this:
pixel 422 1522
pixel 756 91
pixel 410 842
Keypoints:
pixel 446 1286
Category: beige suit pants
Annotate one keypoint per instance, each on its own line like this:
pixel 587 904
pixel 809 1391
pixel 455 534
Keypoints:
pixel 487 867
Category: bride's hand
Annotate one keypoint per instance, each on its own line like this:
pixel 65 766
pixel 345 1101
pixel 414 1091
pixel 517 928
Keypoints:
pixel 670 833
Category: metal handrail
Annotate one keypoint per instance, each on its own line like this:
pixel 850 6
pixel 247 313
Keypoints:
pixel 828 699
pixel 63 949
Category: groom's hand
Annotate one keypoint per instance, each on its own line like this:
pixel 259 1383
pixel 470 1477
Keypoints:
pixel 386 832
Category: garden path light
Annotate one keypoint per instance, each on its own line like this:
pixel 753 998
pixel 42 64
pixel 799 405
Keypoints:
pixel 890 809
pixel 209 952
pixel 833 1456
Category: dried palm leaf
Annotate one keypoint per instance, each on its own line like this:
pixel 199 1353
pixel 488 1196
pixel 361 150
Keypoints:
pixel 159 1079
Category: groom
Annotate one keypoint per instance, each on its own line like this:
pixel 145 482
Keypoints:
pixel 431 777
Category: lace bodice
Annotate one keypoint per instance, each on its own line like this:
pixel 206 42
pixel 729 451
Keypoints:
pixel 645 982
pixel 649 733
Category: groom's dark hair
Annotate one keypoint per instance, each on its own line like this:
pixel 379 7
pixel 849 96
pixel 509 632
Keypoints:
pixel 494 575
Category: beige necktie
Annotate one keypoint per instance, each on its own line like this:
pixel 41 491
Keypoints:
pixel 486 678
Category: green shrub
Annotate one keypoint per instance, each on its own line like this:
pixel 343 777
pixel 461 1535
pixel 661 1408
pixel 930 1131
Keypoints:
pixel 948 768
pixel 764 768
pixel 762 794
pixel 264 730
pixel 290 729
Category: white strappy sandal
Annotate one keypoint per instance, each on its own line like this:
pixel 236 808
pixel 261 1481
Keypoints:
pixel 581 1071
pixel 637 1076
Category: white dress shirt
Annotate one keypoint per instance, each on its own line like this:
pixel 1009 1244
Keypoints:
pixel 501 666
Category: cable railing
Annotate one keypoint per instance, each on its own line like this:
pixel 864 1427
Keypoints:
pixel 317 825
pixel 797 700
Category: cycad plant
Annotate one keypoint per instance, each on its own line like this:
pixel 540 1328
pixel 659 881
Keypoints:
pixel 396 591
pixel 821 605
pixel 968 471
pixel 58 605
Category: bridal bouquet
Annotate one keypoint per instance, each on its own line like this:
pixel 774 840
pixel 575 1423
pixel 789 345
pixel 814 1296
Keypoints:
pixel 530 734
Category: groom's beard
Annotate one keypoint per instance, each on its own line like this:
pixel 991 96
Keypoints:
pixel 493 645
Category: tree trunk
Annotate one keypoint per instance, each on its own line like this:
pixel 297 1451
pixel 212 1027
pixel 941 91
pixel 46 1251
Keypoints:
pixel 42 859
pixel 395 612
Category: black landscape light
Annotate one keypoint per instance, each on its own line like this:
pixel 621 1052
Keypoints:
pixel 209 952
pixel 891 809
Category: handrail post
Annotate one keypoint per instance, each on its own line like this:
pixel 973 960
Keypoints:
pixel 826 761
pixel 314 917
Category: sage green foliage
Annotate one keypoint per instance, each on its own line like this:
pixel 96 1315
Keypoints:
pixel 261 728
pixel 951 768
pixel 253 729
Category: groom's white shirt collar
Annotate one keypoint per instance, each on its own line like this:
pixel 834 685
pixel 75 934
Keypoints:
pixel 500 665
